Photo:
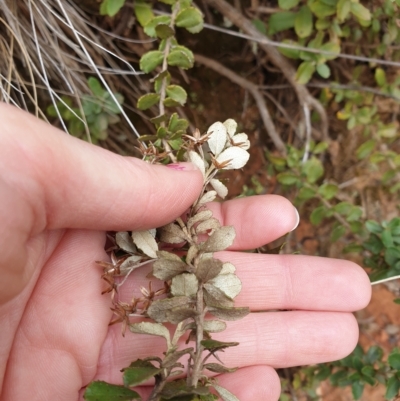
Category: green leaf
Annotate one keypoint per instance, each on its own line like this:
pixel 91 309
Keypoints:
pixel 303 23
pixel 214 345
pixel 189 18
pixel 143 12
pixel 373 227
pixel 318 215
pixel 343 9
pixel 357 389
pixel 111 7
pixel 95 87
pixel 366 149
pixel 306 193
pixel 151 60
pixel 281 21
pixel 305 71
pixel 392 387
pixel 328 191
pixel 164 31
pixel 330 47
pixel 179 58
pixel 147 101
pixel 177 93
pixel 320 148
pixel 313 169
pixel 322 10
pixel 177 124
pixel 135 375
pixel 394 360
pixel 392 256
pixel 323 70
pixel 288 4
pixel 360 12
pixel 102 391
pixel 150 27
pixel 337 233
pixel 290 53
pixel 374 354
pixel 197 28
pixel 287 178
pixel 260 25
pixel 380 77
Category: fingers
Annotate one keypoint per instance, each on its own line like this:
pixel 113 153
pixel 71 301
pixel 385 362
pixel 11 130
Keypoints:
pixel 247 384
pixel 286 282
pixel 299 282
pixel 277 339
pixel 69 183
pixel 258 220
pixel 252 383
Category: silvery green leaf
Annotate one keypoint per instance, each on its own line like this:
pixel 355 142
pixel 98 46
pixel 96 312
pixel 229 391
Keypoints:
pixel 184 284
pixel 218 138
pixel 213 296
pixel 219 188
pixel 191 254
pixel 168 256
pixel 177 315
pixel 241 140
pixel 130 262
pixel 236 156
pixel 159 308
pixel 231 126
pixel 165 269
pixel 228 313
pixel 221 239
pixel 145 242
pixel 208 269
pixel 214 326
pixel 228 267
pixel 172 234
pixel 173 357
pixel 154 329
pixel 224 393
pixel 196 159
pixel 218 368
pixel 203 215
pixel 124 241
pixel 210 224
pixel 207 197
pixel 230 284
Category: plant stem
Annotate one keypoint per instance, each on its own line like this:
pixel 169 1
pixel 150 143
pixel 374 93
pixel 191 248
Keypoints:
pixel 197 362
pixel 163 89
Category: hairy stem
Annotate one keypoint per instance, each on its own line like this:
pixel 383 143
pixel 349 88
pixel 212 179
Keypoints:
pixel 197 362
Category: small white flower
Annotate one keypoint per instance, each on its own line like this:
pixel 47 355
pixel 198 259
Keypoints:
pixel 218 138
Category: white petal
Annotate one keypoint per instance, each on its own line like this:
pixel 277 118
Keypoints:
pixel 231 126
pixel 219 187
pixel 238 157
pixel 196 159
pixel 241 140
pixel 218 138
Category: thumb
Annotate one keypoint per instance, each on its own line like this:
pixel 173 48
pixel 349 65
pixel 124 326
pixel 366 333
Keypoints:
pixel 67 183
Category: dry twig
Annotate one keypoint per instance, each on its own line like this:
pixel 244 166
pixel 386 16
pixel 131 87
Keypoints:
pixel 304 96
pixel 253 89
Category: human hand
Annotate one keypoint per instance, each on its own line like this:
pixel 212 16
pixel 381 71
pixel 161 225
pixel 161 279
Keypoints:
pixel 59 195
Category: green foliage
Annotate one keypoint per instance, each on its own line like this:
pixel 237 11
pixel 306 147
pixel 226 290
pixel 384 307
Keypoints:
pixel 98 111
pixel 111 7
pixel 358 370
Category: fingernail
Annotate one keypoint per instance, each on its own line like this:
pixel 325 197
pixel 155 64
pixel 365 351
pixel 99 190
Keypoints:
pixel 297 221
pixel 183 166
